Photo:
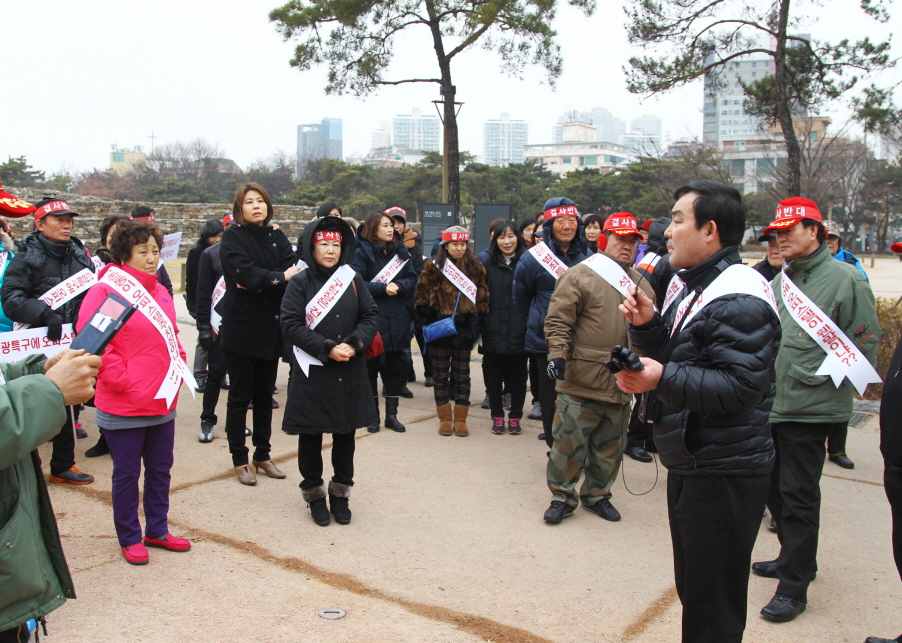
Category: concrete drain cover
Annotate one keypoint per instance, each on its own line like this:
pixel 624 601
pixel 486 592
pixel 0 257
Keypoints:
pixel 858 419
pixel 331 613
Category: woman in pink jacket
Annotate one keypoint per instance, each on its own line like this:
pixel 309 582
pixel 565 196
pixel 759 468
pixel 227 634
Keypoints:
pixel 132 389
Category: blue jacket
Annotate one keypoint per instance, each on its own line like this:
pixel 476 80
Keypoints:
pixel 849 258
pixel 395 317
pixel 533 285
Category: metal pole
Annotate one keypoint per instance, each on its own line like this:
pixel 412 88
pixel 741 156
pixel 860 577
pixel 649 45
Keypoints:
pixel 445 168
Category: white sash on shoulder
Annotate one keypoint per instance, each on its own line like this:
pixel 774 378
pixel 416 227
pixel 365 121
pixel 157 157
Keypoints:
pixel 218 293
pixel 844 359
pixel 391 269
pixel 737 279
pixel 548 260
pixel 463 283
pixel 65 291
pixel 319 306
pixel 674 288
pixel 130 289
pixel 611 272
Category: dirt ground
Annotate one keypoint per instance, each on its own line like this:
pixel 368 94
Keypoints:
pixel 447 544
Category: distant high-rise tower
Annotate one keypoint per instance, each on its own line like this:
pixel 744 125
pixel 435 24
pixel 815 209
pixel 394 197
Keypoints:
pixel 503 141
pixel 319 141
pixel 416 132
pixel 381 138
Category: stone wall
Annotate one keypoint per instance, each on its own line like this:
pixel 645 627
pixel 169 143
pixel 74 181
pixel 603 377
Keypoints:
pixel 187 218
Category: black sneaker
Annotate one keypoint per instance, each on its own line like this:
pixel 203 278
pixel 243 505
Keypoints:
pixel 206 432
pixel 557 511
pixel 485 403
pixel 428 382
pixel 605 509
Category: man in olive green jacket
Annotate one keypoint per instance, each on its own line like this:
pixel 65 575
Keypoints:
pixel 35 578
pixel 591 414
pixel 808 405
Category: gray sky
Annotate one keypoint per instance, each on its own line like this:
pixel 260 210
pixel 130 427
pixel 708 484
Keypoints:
pixel 80 76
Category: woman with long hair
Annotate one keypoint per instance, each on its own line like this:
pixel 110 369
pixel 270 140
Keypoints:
pixel 504 362
pixel 133 412
pixel 527 230
pixel 257 262
pixel 467 300
pixel 330 318
pixel 383 261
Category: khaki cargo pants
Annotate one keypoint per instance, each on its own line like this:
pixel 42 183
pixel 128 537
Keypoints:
pixel 589 436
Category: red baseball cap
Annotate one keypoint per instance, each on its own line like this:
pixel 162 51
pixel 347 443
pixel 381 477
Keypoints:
pixel 622 224
pixel 227 220
pixel 646 225
pixel 791 211
pixel 13 206
pixel 55 207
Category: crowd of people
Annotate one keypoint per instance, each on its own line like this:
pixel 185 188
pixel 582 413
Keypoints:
pixel 633 338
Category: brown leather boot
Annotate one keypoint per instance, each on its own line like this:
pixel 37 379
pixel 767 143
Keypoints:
pixel 444 419
pixel 460 420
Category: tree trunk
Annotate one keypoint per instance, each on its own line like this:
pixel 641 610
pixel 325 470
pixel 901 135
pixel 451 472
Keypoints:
pixel 784 109
pixel 449 109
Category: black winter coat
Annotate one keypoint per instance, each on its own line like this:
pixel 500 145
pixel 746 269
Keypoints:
pixel 256 258
pixel 336 397
pixel 192 266
pixel 533 285
pixel 504 328
pixel 40 265
pixel 395 317
pixel 208 273
pixel 765 269
pixel 717 387
pixel 891 413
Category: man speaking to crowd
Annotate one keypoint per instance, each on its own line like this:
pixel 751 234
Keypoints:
pixel 711 379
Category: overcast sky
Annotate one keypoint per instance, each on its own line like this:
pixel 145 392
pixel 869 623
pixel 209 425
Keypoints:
pixel 80 76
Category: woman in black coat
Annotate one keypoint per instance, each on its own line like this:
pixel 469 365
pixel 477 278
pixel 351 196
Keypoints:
pixel 257 262
pixel 210 235
pixel 379 246
pixel 330 392
pixel 504 364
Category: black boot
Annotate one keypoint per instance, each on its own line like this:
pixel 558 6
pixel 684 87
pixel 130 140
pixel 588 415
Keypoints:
pixel 316 500
pixel 98 449
pixel 374 425
pixel 338 502
pixel 391 415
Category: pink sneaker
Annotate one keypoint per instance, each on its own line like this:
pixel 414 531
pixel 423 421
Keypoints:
pixel 169 542
pixel 513 426
pixel 498 426
pixel 136 554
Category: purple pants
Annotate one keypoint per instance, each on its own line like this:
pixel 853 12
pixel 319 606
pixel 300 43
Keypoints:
pixel 153 444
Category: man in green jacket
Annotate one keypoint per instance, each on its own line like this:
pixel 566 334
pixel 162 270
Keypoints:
pixel 829 325
pixel 35 578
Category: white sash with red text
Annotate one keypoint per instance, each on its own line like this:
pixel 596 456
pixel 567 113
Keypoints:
pixel 219 292
pixel 319 306
pixel 463 283
pixel 65 291
pixel 674 288
pixel 391 269
pixel 98 263
pixel 127 286
pixel 548 260
pixel 611 272
pixel 844 358
pixel 737 279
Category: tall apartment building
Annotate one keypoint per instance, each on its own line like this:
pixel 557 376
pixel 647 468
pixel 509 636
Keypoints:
pixel 607 127
pixel 503 141
pixel 417 132
pixel 321 140
pixel 381 138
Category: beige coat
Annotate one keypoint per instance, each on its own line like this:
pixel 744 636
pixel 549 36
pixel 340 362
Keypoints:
pixel 582 326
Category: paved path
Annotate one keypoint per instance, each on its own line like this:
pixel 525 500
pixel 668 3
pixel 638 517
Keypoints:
pixel 447 543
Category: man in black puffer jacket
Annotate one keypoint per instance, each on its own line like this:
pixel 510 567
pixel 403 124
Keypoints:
pixel 49 256
pixel 713 378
